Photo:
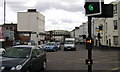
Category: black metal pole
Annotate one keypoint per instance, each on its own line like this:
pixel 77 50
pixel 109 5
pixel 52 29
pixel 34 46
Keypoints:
pixel 99 39
pixel 89 50
pixel 89 26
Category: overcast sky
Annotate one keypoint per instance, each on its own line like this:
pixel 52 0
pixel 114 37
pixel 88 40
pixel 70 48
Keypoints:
pixel 59 14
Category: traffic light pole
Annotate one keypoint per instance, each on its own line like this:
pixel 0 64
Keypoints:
pixel 90 49
pixel 95 8
pixel 89 26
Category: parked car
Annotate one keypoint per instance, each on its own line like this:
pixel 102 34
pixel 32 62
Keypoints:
pixel 23 58
pixel 50 46
pixel 2 51
pixel 30 42
pixel 16 42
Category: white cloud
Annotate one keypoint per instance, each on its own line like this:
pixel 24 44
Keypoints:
pixel 11 16
pixel 108 1
pixel 31 3
pixel 60 19
pixel 1 15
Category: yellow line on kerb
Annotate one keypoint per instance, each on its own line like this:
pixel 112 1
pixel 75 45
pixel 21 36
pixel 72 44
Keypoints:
pixel 116 62
pixel 116 68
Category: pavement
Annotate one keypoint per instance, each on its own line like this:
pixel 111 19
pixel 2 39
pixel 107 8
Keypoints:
pixel 102 47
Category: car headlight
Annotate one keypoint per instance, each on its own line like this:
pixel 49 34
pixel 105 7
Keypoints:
pixel 13 68
pixel 2 67
pixel 18 67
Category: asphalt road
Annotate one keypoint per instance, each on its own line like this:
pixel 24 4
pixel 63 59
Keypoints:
pixel 104 60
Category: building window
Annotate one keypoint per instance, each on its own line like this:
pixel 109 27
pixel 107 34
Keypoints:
pixel 115 24
pixel 115 8
pixel 115 40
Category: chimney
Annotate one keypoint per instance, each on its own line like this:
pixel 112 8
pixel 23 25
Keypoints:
pixel 76 27
pixel 31 10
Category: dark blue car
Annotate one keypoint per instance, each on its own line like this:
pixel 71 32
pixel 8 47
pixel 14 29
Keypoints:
pixel 23 58
pixel 50 46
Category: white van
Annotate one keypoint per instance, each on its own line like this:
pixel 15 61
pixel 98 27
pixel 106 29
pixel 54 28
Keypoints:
pixel 69 44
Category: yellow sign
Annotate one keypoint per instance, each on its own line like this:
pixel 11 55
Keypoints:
pixel 97 30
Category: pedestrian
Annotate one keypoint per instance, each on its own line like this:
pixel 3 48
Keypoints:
pixel 109 46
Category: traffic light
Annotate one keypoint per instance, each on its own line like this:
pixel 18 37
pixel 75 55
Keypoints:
pixel 89 43
pixel 93 7
pixel 89 61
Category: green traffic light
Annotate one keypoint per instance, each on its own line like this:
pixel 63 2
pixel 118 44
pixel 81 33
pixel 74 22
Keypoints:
pixel 90 7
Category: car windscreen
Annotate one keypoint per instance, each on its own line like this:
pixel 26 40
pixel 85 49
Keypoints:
pixel 69 42
pixel 50 44
pixel 17 41
pixel 18 52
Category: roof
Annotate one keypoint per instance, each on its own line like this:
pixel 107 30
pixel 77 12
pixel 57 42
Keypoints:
pixel 25 46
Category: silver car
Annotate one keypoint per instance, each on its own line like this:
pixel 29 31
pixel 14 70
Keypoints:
pixel 2 51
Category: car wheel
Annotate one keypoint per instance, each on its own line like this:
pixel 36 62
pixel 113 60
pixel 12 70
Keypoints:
pixel 54 50
pixel 3 52
pixel 60 48
pixel 27 70
pixel 44 65
pixel 64 49
pixel 74 49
